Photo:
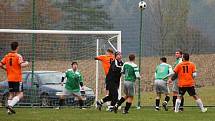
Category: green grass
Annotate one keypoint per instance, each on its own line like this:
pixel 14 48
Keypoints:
pixel 71 114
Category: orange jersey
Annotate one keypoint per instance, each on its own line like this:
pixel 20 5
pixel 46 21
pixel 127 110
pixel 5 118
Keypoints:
pixel 185 72
pixel 106 59
pixel 13 61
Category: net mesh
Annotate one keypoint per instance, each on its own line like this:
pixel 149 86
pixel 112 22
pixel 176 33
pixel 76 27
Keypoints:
pixel 54 52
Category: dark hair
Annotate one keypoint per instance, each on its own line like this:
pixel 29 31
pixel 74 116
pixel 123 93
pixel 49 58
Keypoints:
pixel 74 62
pixel 180 51
pixel 117 53
pixel 163 59
pixel 186 56
pixel 110 50
pixel 131 57
pixel 14 45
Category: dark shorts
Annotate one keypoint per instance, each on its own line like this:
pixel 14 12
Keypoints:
pixel 15 86
pixel 106 86
pixel 191 91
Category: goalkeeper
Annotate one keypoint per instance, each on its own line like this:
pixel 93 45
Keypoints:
pixel 73 83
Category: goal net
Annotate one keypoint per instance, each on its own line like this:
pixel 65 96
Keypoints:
pixel 54 50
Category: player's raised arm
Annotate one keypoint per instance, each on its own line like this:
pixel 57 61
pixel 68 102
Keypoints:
pixel 22 62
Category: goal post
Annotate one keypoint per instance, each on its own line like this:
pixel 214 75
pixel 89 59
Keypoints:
pixel 118 48
pixel 60 47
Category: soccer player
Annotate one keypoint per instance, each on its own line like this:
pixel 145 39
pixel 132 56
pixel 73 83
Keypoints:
pixel 163 71
pixel 106 61
pixel 178 56
pixel 72 86
pixel 186 72
pixel 131 73
pixel 13 63
pixel 113 81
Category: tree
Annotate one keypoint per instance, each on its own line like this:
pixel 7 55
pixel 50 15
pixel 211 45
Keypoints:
pixel 171 28
pixel 83 15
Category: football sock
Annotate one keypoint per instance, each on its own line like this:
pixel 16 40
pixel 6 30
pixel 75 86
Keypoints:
pixel 167 98
pixel 200 104
pixel 9 101
pixel 61 102
pixel 177 104
pixel 14 101
pixel 128 105
pixel 157 102
pixel 182 102
pixel 105 99
pixel 120 102
pixel 81 103
pixel 174 100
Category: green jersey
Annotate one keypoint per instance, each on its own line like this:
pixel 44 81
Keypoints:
pixel 130 71
pixel 73 80
pixel 178 60
pixel 163 71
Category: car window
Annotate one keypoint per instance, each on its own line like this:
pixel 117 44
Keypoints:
pixel 24 76
pixel 28 81
pixel 50 78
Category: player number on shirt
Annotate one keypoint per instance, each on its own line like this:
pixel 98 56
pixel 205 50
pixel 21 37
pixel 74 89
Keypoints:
pixel 185 69
pixel 11 61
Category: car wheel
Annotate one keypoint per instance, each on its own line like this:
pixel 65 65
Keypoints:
pixel 4 99
pixel 45 100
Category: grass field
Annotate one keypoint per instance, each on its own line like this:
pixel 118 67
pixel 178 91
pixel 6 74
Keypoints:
pixel 91 114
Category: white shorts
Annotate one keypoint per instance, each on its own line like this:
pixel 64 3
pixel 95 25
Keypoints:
pixel 68 92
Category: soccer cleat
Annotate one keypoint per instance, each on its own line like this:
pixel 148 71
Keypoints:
pixel 11 109
pixel 110 110
pixel 99 105
pixel 115 109
pixel 157 108
pixel 181 109
pixel 8 112
pixel 176 111
pixel 58 108
pixel 165 106
pixel 125 112
pixel 83 108
pixel 204 110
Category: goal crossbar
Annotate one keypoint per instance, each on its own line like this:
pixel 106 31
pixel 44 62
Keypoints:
pixel 57 32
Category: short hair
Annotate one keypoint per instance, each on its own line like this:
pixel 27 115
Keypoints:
pixel 180 51
pixel 74 62
pixel 131 57
pixel 14 45
pixel 186 56
pixel 117 53
pixel 163 59
pixel 110 50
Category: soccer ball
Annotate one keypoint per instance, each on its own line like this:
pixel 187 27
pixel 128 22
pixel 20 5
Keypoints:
pixel 142 5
